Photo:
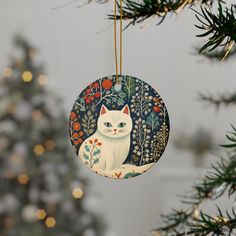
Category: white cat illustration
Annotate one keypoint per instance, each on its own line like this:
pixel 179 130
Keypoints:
pixel 113 139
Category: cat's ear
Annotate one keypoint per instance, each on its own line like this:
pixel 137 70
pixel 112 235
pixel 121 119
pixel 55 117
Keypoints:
pixel 125 109
pixel 103 110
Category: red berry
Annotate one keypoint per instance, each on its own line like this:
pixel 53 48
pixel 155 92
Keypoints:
pixel 96 85
pixel 156 108
pixel 76 126
pixel 88 91
pixel 90 141
pixel 87 101
pixel 95 140
pixel 72 115
pixel 76 142
pixel 106 84
pixel 97 95
pixel 75 135
pixel 155 99
pixel 92 98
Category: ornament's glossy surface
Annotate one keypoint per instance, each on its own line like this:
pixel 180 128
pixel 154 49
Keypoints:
pixel 119 130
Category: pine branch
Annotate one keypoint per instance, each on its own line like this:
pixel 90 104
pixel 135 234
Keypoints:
pixel 214 55
pixel 217 181
pixel 209 225
pixel 140 11
pixel 220 27
pixel 220 100
pixel 182 223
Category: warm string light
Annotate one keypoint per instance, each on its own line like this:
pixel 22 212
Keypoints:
pixel 77 193
pixel 7 72
pixel 196 213
pixel 37 115
pixel 41 214
pixel 43 80
pixel 23 179
pixel 221 219
pixel 39 149
pixel 27 76
pixel 50 222
pixel 49 144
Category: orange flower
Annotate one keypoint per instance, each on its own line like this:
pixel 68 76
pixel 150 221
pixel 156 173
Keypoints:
pixel 99 144
pixel 156 108
pixel 75 135
pixel 81 133
pixel 90 141
pixel 80 140
pixel 95 140
pixel 72 115
pixel 76 142
pixel 106 84
pixel 76 126
pixel 155 99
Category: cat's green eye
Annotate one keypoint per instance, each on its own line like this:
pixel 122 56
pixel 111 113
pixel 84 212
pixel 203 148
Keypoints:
pixel 122 125
pixel 108 124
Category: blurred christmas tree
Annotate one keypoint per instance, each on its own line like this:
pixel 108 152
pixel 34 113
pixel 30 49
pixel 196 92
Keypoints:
pixel 41 190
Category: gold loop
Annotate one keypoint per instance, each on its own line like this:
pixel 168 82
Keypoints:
pixel 115 41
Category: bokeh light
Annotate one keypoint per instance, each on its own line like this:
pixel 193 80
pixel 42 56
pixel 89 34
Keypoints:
pixel 41 214
pixel 27 76
pixel 50 144
pixel 43 80
pixel 50 222
pixel 23 179
pixel 39 149
pixel 77 193
pixel 7 72
pixel 37 115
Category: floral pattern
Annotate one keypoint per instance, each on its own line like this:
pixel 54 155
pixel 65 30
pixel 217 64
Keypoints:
pixel 150 131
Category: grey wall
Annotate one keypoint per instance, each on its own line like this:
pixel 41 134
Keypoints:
pixel 162 56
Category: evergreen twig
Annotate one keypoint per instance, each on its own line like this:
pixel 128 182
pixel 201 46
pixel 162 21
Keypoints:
pixel 192 221
pixel 229 99
pixel 221 29
pixel 138 12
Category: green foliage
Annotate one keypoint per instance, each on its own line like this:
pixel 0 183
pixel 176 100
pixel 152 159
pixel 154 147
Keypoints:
pixel 129 86
pixel 140 11
pixel 224 99
pixel 219 180
pixel 35 118
pixel 87 148
pixel 153 120
pixel 221 29
pixel 97 152
pixel 88 123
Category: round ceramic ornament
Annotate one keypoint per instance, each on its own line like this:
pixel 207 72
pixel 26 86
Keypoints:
pixel 119 129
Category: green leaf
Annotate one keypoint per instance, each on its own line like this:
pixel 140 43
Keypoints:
pixel 86 156
pixel 87 148
pixel 97 152
pixel 96 161
pixel 130 174
pixel 129 86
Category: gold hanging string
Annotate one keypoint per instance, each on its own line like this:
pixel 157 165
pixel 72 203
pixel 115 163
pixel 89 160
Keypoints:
pixel 115 40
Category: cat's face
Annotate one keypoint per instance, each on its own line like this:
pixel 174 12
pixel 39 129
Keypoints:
pixel 115 123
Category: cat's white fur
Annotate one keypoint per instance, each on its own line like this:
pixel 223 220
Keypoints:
pixel 114 137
